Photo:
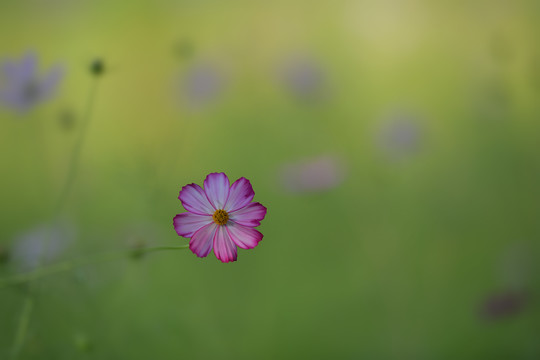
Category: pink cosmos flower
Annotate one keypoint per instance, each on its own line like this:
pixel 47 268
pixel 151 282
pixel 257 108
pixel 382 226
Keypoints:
pixel 221 216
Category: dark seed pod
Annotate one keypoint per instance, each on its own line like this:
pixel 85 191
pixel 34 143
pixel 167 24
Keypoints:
pixel 97 67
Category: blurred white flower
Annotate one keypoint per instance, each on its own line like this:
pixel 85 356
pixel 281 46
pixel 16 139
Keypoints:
pixel 313 174
pixel 400 135
pixel 21 87
pixel 41 245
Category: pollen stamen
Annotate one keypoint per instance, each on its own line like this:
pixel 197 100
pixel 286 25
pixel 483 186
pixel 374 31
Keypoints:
pixel 220 217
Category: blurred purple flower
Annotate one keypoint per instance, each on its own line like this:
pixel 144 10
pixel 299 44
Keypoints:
pixel 220 216
pixel 400 135
pixel 202 85
pixel 503 304
pixel 304 78
pixel 22 88
pixel 41 245
pixel 314 174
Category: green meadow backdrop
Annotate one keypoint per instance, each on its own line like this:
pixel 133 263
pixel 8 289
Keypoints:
pixel 396 145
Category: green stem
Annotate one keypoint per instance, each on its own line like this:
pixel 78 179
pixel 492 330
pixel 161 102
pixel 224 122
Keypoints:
pixel 40 272
pixel 69 265
pixel 72 170
pixel 22 327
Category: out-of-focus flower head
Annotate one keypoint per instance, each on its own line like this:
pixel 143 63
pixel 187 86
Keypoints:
pixel 400 135
pixel 220 216
pixel 21 86
pixel 304 78
pixel 201 85
pixel 515 271
pixel 503 304
pixel 313 174
pixel 41 245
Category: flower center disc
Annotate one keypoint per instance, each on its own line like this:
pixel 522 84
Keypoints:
pixel 220 217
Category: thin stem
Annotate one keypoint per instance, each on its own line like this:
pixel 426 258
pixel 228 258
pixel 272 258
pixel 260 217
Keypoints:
pixel 161 248
pixel 69 265
pixel 77 150
pixel 22 327
pixel 40 146
pixel 22 278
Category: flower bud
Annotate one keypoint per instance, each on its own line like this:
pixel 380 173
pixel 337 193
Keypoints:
pixel 97 67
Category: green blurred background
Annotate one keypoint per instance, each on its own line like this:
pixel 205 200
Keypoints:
pixel 415 237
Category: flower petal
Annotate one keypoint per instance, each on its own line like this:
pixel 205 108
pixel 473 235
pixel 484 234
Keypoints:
pixel 240 194
pixel 243 236
pixel 194 199
pixel 11 97
pixel 224 247
pixel 186 224
pixel 28 67
pixel 250 215
pixel 216 187
pixel 51 81
pixel 10 71
pixel 202 240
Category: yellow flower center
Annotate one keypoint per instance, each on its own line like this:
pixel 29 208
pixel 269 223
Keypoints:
pixel 220 217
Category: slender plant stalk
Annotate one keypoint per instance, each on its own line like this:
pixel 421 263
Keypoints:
pixel 72 172
pixel 22 326
pixel 28 301
pixel 73 165
pixel 68 265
